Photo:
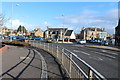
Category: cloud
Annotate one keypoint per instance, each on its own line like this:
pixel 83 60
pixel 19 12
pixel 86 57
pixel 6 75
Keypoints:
pixel 30 27
pixel 89 18
pixel 15 23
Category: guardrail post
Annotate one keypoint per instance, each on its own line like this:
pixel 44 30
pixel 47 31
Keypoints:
pixel 40 45
pixel 48 46
pixel 70 65
pixel 90 74
pixel 44 46
pixel 33 43
pixel 62 55
pixel 52 48
pixel 57 51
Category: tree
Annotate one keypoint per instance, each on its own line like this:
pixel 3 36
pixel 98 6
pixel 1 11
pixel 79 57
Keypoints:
pixel 2 19
pixel 21 29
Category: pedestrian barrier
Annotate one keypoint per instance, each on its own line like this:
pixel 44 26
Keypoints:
pixel 73 65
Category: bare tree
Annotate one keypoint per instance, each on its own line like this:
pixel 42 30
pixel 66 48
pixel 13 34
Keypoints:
pixel 2 19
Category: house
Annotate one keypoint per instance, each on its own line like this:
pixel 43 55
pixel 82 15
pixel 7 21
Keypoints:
pixel 70 34
pixel 4 31
pixel 93 33
pixel 117 34
pixel 56 33
pixel 59 33
pixel 37 32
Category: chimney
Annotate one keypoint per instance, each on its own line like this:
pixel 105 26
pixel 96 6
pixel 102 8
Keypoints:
pixel 103 29
pixel 95 29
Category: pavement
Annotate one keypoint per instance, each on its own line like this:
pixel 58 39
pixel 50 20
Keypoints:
pixel 104 47
pixel 22 62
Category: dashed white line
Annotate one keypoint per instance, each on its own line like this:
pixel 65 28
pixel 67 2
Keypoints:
pixel 76 50
pixel 105 55
pixel 81 52
pixel 109 52
pixel 84 53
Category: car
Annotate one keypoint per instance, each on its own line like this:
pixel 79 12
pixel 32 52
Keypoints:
pixel 12 37
pixel 81 41
pixel 66 39
pixel 95 41
pixel 106 43
pixel 36 38
pixel 49 40
pixel 20 38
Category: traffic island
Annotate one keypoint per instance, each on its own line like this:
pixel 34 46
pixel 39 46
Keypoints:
pixel 3 48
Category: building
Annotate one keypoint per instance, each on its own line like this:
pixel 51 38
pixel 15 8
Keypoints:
pixel 37 32
pixel 4 31
pixel 93 33
pixel 117 34
pixel 56 33
pixel 70 34
pixel 59 33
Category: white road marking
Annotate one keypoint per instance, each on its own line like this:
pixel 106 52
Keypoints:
pixel 109 52
pixel 105 54
pixel 76 50
pixel 84 53
pixel 81 52
pixel 96 58
pixel 79 45
pixel 100 59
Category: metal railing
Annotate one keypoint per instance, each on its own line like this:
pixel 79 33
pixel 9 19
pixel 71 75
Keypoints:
pixel 74 66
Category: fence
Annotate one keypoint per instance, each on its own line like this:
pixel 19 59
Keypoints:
pixel 74 66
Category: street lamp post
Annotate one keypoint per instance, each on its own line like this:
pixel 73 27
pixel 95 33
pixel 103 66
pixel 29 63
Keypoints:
pixel 12 19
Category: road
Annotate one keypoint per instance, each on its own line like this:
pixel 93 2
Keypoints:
pixel 104 61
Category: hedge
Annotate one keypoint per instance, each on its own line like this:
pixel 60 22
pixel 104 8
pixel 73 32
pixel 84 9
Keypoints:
pixel 16 43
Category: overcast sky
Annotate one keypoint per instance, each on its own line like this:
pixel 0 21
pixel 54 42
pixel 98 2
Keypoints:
pixel 73 15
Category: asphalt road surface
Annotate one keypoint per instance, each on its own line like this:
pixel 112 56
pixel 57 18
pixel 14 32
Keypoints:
pixel 104 61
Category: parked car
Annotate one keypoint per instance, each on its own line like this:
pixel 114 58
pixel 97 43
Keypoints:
pixel 36 38
pixel 12 37
pixel 81 41
pixel 95 41
pixel 20 38
pixel 66 39
pixel 104 43
pixel 50 40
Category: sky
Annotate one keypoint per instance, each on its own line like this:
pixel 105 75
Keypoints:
pixel 71 15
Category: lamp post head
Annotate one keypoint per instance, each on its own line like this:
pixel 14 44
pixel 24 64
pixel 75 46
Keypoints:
pixel 17 4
